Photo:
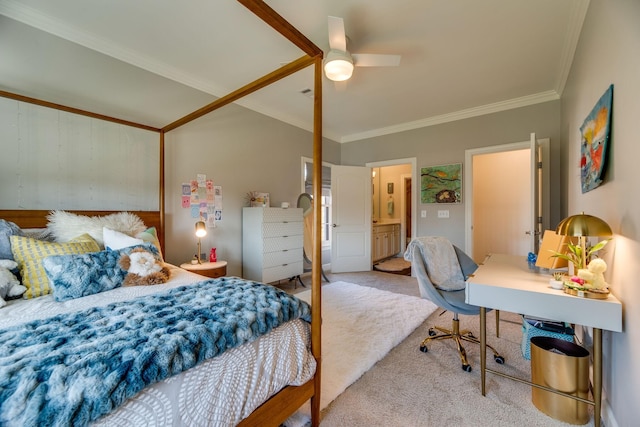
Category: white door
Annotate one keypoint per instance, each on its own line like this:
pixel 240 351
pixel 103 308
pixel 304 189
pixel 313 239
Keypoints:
pixel 506 198
pixel 351 213
pixel 535 230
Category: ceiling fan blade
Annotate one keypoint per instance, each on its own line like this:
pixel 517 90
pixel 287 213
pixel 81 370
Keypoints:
pixel 337 38
pixel 375 60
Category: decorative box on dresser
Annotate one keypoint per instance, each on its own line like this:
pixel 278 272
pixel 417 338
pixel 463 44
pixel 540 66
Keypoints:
pixel 272 240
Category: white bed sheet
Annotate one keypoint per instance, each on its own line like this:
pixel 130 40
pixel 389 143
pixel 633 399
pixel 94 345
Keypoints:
pixel 220 391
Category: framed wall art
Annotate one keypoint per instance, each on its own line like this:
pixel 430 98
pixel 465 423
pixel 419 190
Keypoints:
pixel 595 133
pixel 441 184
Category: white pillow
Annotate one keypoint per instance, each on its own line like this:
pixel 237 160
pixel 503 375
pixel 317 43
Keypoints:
pixel 115 240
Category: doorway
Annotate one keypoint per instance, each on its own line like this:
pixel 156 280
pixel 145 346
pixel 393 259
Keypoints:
pixel 507 198
pixel 396 203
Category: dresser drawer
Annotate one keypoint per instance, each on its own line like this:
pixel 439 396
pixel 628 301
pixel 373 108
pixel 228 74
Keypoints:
pixel 279 229
pixel 274 244
pixel 273 259
pixel 281 272
pixel 281 215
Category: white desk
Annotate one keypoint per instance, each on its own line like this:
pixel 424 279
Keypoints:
pixel 504 282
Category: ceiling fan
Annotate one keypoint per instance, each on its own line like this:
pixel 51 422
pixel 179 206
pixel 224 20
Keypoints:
pixel 339 63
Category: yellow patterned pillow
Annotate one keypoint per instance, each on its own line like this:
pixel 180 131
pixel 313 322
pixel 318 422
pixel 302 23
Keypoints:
pixel 29 254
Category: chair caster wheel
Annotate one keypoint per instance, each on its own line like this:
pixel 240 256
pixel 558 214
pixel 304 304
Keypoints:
pixel 432 333
pixel 499 360
pixel 424 349
pixel 470 335
pixel 466 368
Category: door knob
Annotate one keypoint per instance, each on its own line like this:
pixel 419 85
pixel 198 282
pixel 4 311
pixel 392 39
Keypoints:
pixel 334 225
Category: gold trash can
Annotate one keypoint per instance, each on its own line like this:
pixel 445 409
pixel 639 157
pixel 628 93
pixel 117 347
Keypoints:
pixel 562 366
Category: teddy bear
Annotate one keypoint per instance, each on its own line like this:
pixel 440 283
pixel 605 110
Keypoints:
pixel 9 285
pixel 143 268
pixel 593 274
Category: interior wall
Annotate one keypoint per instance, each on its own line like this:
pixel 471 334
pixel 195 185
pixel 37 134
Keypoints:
pixel 446 143
pixel 241 151
pixel 52 159
pixel 607 53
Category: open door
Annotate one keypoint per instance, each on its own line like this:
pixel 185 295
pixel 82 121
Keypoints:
pixel 351 213
pixel 536 194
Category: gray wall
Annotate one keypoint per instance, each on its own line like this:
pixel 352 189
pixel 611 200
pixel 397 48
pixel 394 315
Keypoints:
pixel 446 143
pixel 242 151
pixel 608 53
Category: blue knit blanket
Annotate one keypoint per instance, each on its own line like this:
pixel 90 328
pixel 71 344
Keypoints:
pixel 73 368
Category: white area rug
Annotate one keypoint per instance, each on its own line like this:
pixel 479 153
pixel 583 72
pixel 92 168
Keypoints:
pixel 359 326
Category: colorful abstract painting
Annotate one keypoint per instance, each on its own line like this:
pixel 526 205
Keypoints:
pixel 594 142
pixel 441 184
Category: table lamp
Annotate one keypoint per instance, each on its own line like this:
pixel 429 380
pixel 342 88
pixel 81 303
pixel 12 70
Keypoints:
pixel 581 226
pixel 201 231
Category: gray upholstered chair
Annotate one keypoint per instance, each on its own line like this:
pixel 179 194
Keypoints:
pixel 427 256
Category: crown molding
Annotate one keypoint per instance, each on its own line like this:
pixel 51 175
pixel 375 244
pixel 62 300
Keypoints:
pixel 578 14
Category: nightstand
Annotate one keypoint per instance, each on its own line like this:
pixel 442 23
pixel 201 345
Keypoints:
pixel 208 269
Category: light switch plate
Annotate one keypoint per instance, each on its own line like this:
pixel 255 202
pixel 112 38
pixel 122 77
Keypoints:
pixel 443 214
pixel 423 214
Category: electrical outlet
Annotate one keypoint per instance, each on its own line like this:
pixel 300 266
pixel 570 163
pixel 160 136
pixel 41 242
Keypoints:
pixel 443 214
pixel 423 214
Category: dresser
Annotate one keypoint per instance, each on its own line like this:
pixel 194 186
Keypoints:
pixel 272 240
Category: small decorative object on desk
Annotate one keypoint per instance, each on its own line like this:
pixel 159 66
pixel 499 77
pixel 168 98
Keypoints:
pixel 212 255
pixel 589 282
pixel 531 261
pixel 558 281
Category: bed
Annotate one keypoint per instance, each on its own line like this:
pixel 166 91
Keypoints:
pixel 283 399
pixel 221 390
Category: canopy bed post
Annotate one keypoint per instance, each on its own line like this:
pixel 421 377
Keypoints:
pixel 161 201
pixel 316 262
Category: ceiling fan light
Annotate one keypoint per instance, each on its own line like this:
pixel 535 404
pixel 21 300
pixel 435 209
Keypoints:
pixel 338 66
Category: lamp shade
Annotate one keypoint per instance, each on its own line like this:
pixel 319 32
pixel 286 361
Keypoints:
pixel 583 225
pixel 201 229
pixel 338 65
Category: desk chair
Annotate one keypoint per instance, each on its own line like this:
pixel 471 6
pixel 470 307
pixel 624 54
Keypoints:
pixel 436 260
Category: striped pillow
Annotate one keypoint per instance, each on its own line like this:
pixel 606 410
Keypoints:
pixel 29 253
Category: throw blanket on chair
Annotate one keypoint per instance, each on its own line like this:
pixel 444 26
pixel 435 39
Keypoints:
pixel 440 260
pixel 71 369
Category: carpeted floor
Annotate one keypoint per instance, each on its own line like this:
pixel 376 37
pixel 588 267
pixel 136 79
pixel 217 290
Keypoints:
pixel 368 320
pixel 411 388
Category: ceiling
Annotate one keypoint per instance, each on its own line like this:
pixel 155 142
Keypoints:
pixel 154 61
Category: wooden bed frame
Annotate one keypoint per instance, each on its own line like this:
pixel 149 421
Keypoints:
pixel 279 407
